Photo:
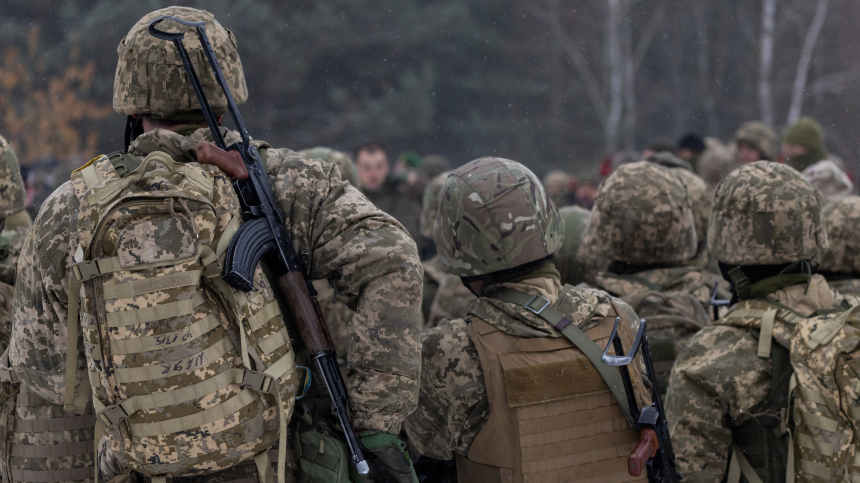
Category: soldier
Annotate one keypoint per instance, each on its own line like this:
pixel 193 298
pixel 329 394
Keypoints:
pixel 363 252
pixel 728 388
pixel 716 162
pixel 840 264
pixel 643 221
pixel 15 223
pixel 690 148
pixel 496 230
pixel 558 187
pixel 574 262
pixel 754 141
pixel 829 179
pixel 803 144
pixel 347 169
pixel 445 297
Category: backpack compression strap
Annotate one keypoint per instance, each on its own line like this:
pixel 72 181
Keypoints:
pixel 541 307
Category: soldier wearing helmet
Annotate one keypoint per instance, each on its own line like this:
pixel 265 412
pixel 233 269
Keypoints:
pixel 728 388
pixel 643 221
pixel 497 229
pixel 344 164
pixel 445 297
pixel 840 264
pixel 363 253
pixel 15 224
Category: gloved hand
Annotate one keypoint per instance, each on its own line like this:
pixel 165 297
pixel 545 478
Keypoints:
pixel 387 457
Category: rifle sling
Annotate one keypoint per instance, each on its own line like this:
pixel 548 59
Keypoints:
pixel 575 335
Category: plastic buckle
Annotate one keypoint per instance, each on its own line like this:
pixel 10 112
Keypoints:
pixel 112 415
pixel 86 270
pixel 256 381
pixel 528 305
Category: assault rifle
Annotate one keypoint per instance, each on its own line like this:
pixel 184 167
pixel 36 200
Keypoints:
pixel 263 231
pixel 654 451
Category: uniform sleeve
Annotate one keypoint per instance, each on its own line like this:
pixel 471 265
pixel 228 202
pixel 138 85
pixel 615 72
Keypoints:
pixel 452 406
pixel 717 378
pixel 371 259
pixel 39 336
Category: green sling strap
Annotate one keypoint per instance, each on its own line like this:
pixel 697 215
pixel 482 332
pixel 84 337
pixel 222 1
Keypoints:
pixel 543 309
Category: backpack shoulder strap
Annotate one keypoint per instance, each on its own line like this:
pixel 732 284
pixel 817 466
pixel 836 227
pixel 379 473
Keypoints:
pixel 543 309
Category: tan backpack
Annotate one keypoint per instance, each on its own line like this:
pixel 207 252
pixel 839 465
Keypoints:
pixel 188 376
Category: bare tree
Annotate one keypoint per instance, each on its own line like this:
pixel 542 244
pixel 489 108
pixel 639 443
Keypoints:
pixel 800 78
pixel 703 65
pixel 615 68
pixel 766 43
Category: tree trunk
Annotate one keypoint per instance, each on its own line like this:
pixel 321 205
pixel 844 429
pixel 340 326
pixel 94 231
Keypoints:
pixel 800 78
pixel 615 66
pixel 703 65
pixel 765 66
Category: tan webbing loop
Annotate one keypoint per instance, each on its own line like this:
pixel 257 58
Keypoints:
pixel 822 447
pixel 267 313
pixel 108 192
pixel 167 340
pixel 815 469
pixel 90 175
pixel 157 312
pixel 812 395
pixel 818 421
pixel 828 329
pixel 264 467
pixel 739 465
pixel 165 369
pixel 55 424
pixel 227 236
pixel 72 328
pixel 766 334
pixel 274 342
pixel 184 423
pixel 50 476
pixel 51 450
pixel 140 287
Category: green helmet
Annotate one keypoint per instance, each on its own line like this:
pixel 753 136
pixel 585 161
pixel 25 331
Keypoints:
pixel 759 135
pixel 842 219
pixel 150 78
pixel 430 204
pixel 13 196
pixel 348 171
pixel 571 266
pixel 765 213
pixel 494 215
pixel 642 215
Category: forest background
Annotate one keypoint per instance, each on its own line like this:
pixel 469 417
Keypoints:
pixel 550 83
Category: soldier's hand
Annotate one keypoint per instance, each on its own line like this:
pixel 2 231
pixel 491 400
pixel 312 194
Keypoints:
pixel 387 458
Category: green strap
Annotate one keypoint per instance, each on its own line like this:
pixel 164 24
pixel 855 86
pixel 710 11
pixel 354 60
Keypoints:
pixel 165 341
pixel 158 312
pixel 641 281
pixel 156 284
pixel 542 308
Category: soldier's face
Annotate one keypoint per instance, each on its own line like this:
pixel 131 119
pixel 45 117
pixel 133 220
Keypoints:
pixel 748 154
pixel 372 169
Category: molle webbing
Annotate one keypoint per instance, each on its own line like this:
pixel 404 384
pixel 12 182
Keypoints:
pixel 573 431
pixel 50 444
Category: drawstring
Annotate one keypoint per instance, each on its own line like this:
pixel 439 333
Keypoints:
pixel 805 267
pixel 190 216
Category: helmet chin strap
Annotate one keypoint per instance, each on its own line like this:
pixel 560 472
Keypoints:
pixel 133 129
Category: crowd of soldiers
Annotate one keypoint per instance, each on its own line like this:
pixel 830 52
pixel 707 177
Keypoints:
pixel 465 306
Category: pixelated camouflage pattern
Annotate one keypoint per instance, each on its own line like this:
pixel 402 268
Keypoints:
pixel 343 234
pixel 348 171
pixel 430 204
pixel 719 382
pixel 150 77
pixel 829 179
pixel 762 137
pixel 494 215
pixel 842 222
pixel 700 198
pixel 453 405
pixel 574 261
pixel 669 160
pixel 557 186
pixel 13 197
pixel 337 316
pixel 716 162
pixel 75 442
pixel 829 369
pixel 765 214
pixel 687 279
pixel 445 296
pixel 642 214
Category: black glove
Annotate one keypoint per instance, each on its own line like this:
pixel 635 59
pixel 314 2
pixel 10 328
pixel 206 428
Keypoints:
pixel 387 458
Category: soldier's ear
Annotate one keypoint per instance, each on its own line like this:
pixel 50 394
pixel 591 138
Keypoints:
pixel 220 118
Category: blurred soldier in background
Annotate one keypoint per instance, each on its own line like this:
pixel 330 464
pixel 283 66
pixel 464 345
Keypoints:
pixel 754 141
pixel 391 194
pixel 15 224
pixel 643 221
pixel 496 230
pixel 364 253
pixel 347 169
pixel 728 389
pixel 559 188
pixel 690 149
pixel 433 165
pixel 574 262
pixel 445 296
pixel 829 179
pixel 803 144
pixel 840 264
pixel 716 162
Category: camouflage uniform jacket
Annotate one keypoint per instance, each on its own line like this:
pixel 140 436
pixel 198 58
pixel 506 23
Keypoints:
pixel 11 242
pixel 846 286
pixel 719 377
pixel 445 296
pixel 369 254
pixel 453 405
pixel 687 279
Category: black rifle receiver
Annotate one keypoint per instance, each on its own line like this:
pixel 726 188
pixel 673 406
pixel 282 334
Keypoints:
pixel 655 446
pixel 264 233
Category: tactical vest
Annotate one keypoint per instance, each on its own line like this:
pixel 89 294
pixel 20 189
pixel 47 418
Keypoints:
pixel 188 376
pixel 801 432
pixel 39 440
pixel 552 414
